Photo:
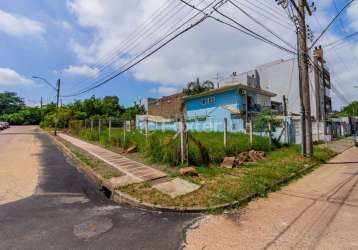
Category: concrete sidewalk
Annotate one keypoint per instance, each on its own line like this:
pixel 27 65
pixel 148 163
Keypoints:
pixel 341 145
pixel 319 211
pixel 134 172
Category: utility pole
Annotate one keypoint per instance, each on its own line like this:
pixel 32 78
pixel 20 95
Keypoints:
pixel 58 86
pixel 285 119
pixel 217 78
pixel 41 110
pixel 284 99
pixel 302 109
pixel 304 86
pixel 303 54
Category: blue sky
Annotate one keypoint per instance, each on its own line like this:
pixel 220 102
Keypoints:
pixel 69 39
pixel 42 54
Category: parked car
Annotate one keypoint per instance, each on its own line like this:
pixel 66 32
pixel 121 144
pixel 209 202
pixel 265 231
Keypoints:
pixel 4 125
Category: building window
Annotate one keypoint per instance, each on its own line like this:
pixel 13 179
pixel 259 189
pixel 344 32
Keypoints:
pixel 211 100
pixel 203 101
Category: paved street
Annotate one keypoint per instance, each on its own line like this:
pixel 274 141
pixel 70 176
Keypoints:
pixel 319 211
pixel 47 204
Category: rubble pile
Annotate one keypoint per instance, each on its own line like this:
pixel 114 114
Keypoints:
pixel 237 161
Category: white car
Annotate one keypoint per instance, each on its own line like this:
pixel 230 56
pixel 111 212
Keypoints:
pixel 4 125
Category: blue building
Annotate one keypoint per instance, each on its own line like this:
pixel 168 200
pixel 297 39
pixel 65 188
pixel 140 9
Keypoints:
pixel 206 111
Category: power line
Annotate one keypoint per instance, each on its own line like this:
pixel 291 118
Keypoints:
pixel 250 32
pixel 331 22
pixel 124 52
pixel 242 28
pixel 264 13
pixel 262 25
pixel 335 90
pixel 339 41
pixel 134 42
pixel 153 51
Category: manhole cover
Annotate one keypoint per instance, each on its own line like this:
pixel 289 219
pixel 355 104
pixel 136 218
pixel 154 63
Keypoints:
pixel 93 227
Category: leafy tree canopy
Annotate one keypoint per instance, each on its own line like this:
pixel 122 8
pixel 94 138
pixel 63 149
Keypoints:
pixel 349 110
pixel 13 110
pixel 10 102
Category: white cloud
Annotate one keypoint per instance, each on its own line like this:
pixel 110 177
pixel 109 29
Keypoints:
pixel 83 70
pixel 202 52
pixel 164 90
pixel 9 77
pixel 207 49
pixel 19 26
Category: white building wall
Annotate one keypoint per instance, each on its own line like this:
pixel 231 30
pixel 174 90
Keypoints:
pixel 281 77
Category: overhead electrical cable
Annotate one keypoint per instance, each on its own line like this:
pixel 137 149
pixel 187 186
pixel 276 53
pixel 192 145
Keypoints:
pixel 339 41
pixel 138 59
pixel 331 23
pixel 242 28
pixel 133 43
pixel 264 12
pixel 262 25
pixel 249 32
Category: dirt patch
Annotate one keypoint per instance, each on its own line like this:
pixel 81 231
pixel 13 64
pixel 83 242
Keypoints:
pixel 19 168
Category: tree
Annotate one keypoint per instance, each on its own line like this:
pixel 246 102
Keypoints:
pixel 10 103
pixel 131 112
pixel 349 110
pixel 196 87
pixel 111 106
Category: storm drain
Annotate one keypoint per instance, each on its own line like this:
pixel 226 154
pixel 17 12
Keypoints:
pixel 106 192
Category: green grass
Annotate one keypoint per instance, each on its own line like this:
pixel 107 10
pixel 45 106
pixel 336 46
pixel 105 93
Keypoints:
pixel 220 186
pixel 160 147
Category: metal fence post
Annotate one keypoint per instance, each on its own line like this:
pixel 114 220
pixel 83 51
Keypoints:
pixel 182 141
pixel 251 132
pixel 99 128
pixel 146 129
pixel 124 133
pixel 109 127
pixel 269 127
pixel 225 132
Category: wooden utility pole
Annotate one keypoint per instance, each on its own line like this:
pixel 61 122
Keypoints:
pixel 305 86
pixel 285 115
pixel 58 87
pixel 42 114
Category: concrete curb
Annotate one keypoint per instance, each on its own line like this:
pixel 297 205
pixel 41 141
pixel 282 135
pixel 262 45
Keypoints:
pixel 120 197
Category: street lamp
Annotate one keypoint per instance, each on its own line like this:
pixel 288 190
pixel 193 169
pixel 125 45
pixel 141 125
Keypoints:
pixel 57 89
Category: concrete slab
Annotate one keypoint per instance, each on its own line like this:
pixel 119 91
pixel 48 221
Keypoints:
pixel 122 163
pixel 117 182
pixel 176 187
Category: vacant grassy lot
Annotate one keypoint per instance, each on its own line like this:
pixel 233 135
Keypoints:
pixel 220 186
pixel 164 148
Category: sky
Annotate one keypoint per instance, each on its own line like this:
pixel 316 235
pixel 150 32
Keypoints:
pixel 84 41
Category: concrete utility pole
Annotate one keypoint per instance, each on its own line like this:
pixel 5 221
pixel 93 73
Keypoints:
pixel 57 89
pixel 58 86
pixel 305 86
pixel 41 110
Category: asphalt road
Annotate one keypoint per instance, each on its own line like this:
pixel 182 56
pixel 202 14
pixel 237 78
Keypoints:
pixel 65 210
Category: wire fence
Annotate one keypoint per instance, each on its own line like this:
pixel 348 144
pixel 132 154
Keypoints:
pixel 194 141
